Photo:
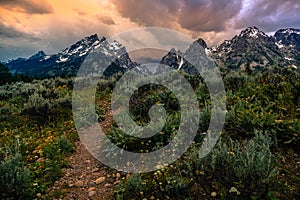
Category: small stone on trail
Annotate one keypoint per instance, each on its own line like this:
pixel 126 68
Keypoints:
pixel 99 180
pixel 92 193
pixel 79 183
pixel 95 170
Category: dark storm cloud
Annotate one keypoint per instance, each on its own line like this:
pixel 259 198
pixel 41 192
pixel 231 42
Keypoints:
pixel 11 32
pixel 149 13
pixel 208 15
pixel 194 15
pixel 271 15
pixel 28 6
pixel 14 42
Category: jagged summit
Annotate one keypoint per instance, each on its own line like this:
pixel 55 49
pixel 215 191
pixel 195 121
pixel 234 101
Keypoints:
pixel 38 55
pixel 252 32
pixel 178 60
pixel 202 43
pixel 251 36
pixel 92 37
pixel 82 47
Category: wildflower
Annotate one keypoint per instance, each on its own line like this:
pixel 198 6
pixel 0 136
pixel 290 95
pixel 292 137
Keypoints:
pixel 233 189
pixel 213 194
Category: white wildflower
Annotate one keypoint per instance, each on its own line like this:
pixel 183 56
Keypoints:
pixel 233 189
pixel 213 194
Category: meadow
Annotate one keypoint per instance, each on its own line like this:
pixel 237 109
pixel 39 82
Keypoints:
pixel 256 157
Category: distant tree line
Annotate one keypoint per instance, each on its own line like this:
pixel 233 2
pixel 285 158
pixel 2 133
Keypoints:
pixel 7 77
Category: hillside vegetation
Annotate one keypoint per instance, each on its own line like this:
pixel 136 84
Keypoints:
pixel 257 156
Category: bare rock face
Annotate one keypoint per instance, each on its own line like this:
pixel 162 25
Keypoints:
pixel 202 43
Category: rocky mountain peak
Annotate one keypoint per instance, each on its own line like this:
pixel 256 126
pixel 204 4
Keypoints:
pixel 288 38
pixel 92 37
pixel 202 43
pixel 82 45
pixel 38 55
pixel 252 32
pixel 288 31
pixel 252 48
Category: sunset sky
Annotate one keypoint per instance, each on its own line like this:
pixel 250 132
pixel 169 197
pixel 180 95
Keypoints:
pixel 27 26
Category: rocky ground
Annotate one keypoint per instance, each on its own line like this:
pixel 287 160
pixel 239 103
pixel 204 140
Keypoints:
pixel 87 178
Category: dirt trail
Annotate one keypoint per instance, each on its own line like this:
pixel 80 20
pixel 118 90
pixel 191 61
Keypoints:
pixel 87 178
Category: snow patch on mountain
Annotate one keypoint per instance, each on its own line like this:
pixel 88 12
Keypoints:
pixel 252 32
pixel 279 44
pixel 62 60
pixel 115 46
pixel 288 58
pixel 181 63
pixel 290 31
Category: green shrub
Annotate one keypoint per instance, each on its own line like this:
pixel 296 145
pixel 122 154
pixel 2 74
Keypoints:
pixel 233 80
pixel 55 153
pixel 5 93
pixel 158 185
pixel 15 179
pixel 135 144
pixel 65 146
pixel 6 110
pixel 239 170
pixel 59 147
pixel 52 171
pixel 37 105
pixel 233 171
pixel 268 101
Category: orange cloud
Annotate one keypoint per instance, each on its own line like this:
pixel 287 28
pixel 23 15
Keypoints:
pixel 28 6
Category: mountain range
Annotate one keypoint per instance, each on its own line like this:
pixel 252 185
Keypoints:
pixel 251 49
pixel 68 61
